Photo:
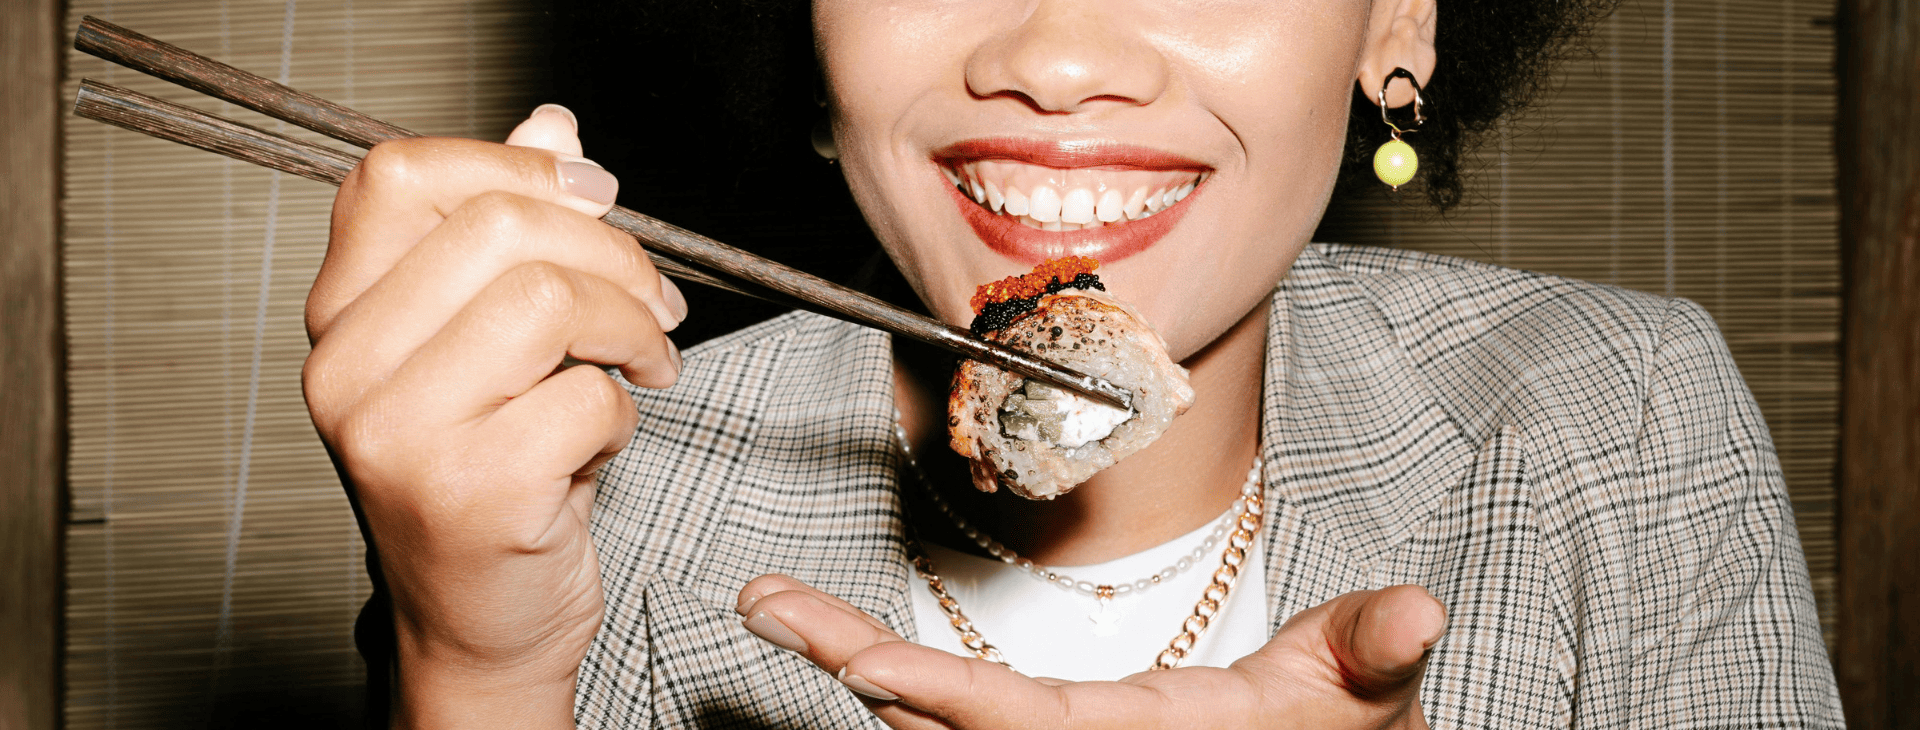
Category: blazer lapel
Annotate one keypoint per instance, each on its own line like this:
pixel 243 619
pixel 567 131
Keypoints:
pixel 814 495
pixel 1358 451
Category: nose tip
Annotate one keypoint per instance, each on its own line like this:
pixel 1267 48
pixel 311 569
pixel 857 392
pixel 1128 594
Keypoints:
pixel 1068 57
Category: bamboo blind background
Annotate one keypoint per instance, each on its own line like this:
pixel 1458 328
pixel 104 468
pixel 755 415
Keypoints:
pixel 1691 155
pixel 214 569
pixel 213 566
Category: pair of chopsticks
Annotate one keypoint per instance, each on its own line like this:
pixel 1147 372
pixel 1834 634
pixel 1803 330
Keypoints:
pixel 675 251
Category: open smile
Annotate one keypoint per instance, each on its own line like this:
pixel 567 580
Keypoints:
pixel 1033 201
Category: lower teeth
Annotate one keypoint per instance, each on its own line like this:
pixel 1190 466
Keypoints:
pixel 1056 225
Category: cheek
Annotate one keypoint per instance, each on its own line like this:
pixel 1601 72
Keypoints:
pixel 1283 92
pixel 882 59
pixel 887 64
pixel 1284 89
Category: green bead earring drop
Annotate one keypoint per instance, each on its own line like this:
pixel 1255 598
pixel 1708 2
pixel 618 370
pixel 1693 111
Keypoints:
pixel 1395 163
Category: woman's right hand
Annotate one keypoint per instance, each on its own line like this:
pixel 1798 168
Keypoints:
pixel 458 275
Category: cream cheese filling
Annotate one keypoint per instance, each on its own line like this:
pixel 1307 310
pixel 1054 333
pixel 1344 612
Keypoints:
pixel 1040 412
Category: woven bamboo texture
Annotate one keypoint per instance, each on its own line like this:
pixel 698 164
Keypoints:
pixel 214 569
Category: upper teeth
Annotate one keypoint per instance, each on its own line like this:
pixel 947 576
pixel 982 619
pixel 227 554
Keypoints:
pixel 1045 205
pixel 1055 200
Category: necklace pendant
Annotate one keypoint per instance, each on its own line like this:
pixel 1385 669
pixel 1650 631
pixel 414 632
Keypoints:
pixel 1106 621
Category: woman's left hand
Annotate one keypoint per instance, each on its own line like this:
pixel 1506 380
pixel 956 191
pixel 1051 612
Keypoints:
pixel 1352 662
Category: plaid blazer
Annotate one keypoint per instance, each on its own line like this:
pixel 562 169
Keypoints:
pixel 1577 471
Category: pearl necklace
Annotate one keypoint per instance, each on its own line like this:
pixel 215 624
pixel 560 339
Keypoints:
pixel 1237 527
pixel 1221 526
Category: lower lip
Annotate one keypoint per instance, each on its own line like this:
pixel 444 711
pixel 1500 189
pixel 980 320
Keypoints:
pixel 1107 244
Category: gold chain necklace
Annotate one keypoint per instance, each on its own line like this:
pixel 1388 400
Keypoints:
pixel 1104 618
pixel 1245 527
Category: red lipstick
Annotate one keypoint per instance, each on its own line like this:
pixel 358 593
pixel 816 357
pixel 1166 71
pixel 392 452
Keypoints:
pixel 1068 154
pixel 1109 243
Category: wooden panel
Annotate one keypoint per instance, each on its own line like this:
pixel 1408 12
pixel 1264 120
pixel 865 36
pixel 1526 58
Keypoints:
pixel 30 437
pixel 1878 661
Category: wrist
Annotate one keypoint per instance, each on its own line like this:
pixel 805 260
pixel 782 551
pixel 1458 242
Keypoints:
pixel 444 690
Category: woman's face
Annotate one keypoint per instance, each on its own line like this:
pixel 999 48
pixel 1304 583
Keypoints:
pixel 1076 126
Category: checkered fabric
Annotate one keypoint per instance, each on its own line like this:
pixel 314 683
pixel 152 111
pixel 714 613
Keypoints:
pixel 1577 471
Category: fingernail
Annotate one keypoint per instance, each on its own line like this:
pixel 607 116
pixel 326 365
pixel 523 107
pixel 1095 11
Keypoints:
pixel 587 180
pixel 860 684
pixel 745 603
pixel 676 302
pixel 557 109
pixel 765 626
pixel 673 353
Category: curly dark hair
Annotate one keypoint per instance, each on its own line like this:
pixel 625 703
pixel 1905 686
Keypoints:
pixel 705 108
pixel 1493 59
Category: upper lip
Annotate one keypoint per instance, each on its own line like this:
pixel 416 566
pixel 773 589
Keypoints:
pixel 1067 154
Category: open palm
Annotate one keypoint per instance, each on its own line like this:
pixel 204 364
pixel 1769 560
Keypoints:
pixel 1354 661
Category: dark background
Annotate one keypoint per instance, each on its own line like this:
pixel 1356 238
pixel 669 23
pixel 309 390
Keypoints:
pixel 717 139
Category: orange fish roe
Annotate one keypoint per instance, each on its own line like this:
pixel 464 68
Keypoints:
pixel 1034 283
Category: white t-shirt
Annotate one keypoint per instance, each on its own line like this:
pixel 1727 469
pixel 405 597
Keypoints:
pixel 1045 631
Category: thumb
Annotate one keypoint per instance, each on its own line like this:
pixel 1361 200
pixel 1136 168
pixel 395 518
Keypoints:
pixel 1380 638
pixel 551 127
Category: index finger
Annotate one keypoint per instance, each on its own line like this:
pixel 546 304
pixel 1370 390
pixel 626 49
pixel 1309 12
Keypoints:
pixel 404 188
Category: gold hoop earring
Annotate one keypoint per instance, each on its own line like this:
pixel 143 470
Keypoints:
pixel 1395 162
pixel 823 144
pixel 822 132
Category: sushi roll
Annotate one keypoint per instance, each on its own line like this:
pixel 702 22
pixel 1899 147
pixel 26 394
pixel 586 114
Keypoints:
pixel 1040 440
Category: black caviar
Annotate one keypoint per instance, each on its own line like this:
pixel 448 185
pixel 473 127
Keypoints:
pixel 995 316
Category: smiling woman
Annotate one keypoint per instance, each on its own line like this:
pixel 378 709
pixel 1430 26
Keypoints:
pixel 1467 494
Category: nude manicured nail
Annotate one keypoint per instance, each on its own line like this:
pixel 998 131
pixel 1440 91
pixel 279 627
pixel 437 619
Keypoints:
pixel 746 602
pixel 765 626
pixel 587 180
pixel 557 109
pixel 673 353
pixel 860 684
pixel 676 302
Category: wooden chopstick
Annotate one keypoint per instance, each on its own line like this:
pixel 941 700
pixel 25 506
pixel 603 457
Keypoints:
pixel 194 128
pixel 690 256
